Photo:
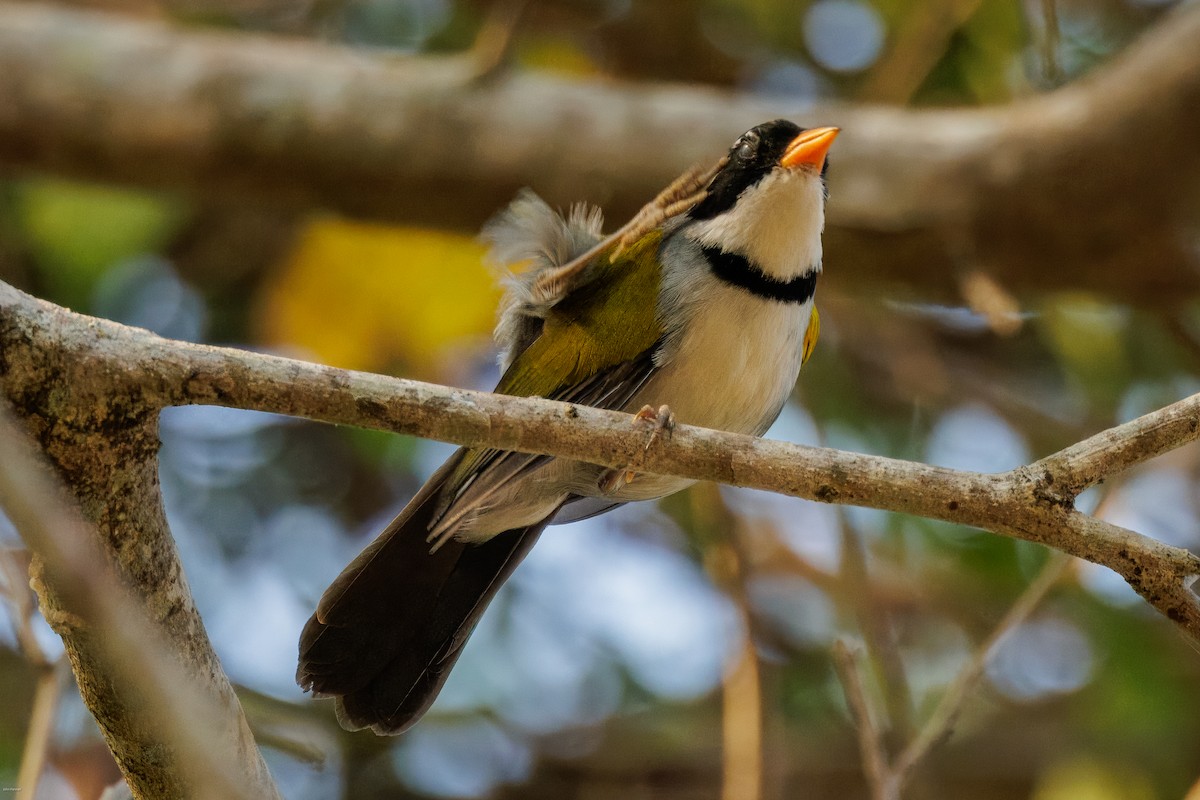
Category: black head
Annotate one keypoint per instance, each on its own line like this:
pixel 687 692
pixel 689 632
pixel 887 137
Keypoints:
pixel 752 157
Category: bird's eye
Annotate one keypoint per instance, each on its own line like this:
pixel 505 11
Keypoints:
pixel 744 149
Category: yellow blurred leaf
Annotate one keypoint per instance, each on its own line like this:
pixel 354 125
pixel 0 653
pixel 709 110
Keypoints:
pixel 1087 333
pixel 1085 778
pixel 556 55
pixel 374 297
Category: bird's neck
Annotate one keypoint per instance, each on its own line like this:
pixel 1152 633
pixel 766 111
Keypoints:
pixel 774 227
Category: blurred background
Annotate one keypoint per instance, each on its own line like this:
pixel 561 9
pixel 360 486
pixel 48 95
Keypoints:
pixel 641 654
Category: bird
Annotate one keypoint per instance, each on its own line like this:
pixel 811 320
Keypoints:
pixel 699 310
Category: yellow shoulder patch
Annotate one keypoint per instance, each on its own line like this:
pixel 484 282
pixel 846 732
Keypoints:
pixel 810 336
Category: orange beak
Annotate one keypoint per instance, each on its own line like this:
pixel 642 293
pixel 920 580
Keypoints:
pixel 810 148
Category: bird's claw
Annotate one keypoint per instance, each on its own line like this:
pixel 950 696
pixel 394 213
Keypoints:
pixel 661 418
pixel 662 423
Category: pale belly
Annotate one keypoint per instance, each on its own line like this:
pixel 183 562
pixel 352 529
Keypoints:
pixel 733 371
pixel 735 366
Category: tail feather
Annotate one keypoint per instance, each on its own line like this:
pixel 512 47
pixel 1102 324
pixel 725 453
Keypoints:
pixel 405 688
pixel 389 629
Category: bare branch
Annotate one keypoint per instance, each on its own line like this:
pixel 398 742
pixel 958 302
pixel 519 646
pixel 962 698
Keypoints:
pixel 143 372
pixel 941 722
pixel 887 776
pixel 1095 184
pixel 98 537
pixel 1086 463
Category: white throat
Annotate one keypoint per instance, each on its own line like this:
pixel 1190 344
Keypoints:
pixel 776 224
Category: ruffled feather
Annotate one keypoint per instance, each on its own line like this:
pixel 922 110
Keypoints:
pixel 527 239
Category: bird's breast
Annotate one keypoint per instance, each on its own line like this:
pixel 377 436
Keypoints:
pixel 734 361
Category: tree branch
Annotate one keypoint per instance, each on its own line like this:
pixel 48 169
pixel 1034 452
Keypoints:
pixel 173 731
pixel 107 574
pixel 1096 184
pixel 47 352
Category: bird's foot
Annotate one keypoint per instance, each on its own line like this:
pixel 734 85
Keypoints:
pixel 661 420
pixel 662 423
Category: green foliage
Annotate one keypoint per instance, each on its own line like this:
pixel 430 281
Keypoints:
pixel 77 231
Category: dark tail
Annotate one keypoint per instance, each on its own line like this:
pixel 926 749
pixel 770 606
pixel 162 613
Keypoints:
pixel 387 632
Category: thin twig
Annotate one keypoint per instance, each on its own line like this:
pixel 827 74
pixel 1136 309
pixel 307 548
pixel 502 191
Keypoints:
pixel 940 724
pixel 870 742
pixel 41 726
pixel 16 590
pixel 887 777
pixel 877 631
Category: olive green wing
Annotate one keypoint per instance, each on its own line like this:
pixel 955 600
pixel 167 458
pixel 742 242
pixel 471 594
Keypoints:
pixel 608 318
pixel 596 348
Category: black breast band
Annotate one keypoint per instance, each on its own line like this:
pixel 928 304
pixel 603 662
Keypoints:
pixel 737 270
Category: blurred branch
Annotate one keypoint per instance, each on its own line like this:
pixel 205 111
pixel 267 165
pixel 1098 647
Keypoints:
pixel 1093 185
pixel 940 724
pixel 919 43
pixel 888 777
pixel 742 725
pixel 494 42
pixel 986 297
pixel 15 589
pixel 41 726
pixel 870 740
pixel 742 728
pixel 172 736
pixel 1051 68
pixel 115 375
pixel 878 633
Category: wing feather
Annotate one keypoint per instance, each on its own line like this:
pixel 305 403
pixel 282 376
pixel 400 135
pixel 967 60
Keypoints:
pixel 596 348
